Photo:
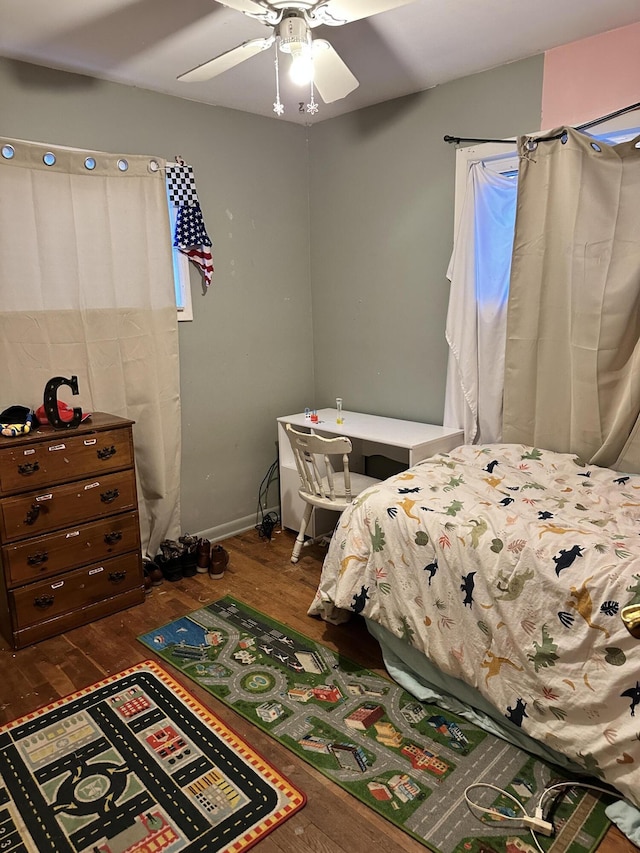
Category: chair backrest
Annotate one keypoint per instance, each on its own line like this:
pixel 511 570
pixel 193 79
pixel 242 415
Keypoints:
pixel 317 474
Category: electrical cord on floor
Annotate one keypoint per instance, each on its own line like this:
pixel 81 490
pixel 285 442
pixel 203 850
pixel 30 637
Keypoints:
pixel 536 823
pixel 268 520
pixel 266 526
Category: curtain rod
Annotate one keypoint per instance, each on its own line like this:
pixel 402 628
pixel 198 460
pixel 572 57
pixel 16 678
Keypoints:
pixel 587 124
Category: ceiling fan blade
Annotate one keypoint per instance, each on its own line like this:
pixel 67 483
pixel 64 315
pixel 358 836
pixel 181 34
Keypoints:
pixel 247 6
pixel 227 60
pixel 334 13
pixel 331 77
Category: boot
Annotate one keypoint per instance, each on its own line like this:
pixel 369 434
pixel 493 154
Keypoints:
pixel 153 571
pixel 203 556
pixel 170 560
pixel 219 562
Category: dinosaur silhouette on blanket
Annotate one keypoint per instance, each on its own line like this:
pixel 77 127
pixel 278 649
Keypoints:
pixel 511 587
pixel 432 568
pixel 493 664
pixel 564 559
pixel 634 694
pixel 517 714
pixel 467 587
pixel 360 600
pixel 584 605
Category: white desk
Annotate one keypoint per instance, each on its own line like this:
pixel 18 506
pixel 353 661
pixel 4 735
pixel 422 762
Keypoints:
pixel 406 442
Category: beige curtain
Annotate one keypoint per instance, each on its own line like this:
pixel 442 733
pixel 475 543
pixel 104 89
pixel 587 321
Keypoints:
pixel 572 370
pixel 86 289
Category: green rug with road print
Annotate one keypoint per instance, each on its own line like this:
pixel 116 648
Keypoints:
pixel 409 761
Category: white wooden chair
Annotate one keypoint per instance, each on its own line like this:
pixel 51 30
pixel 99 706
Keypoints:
pixel 322 485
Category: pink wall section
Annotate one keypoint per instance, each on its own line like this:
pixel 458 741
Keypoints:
pixel 592 77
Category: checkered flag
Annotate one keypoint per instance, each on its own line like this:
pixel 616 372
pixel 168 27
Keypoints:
pixel 191 235
pixel 181 186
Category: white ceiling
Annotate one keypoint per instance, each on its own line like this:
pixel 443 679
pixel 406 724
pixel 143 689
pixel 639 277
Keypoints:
pixel 148 43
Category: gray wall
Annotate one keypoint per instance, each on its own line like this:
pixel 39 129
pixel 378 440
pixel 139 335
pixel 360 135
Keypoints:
pixel 382 190
pixel 246 358
pixel 331 246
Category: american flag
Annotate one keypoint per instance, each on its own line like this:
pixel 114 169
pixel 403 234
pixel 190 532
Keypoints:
pixel 193 241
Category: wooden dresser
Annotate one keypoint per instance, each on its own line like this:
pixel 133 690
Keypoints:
pixel 69 531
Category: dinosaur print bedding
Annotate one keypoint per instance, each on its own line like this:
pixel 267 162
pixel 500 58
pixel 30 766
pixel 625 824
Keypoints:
pixel 508 566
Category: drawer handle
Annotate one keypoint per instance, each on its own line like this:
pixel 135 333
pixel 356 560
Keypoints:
pixel 28 468
pixel 43 601
pixel 109 496
pixel 117 577
pixel 106 452
pixel 113 537
pixel 37 559
pixel 32 514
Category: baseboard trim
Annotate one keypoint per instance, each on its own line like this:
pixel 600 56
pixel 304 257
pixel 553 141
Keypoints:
pixel 234 528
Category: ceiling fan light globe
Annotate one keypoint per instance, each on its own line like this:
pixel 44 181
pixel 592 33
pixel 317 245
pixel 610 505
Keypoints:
pixel 301 69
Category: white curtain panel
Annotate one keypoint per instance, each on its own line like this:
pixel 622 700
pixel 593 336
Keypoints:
pixel 572 373
pixel 476 320
pixel 86 289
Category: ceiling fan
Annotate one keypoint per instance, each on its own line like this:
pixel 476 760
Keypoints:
pixel 291 22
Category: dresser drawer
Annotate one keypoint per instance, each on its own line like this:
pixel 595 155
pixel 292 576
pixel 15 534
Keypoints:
pixel 43 556
pixel 74 618
pixel 63 506
pixel 75 590
pixel 68 621
pixel 63 457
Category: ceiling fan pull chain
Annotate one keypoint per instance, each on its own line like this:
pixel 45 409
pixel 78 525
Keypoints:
pixel 278 106
pixel 312 106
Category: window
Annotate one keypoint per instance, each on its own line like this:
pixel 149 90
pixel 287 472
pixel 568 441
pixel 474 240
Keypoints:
pixel 503 158
pixel 480 274
pixel 181 278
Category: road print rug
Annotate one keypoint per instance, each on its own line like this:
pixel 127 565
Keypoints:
pixel 409 761
pixel 134 763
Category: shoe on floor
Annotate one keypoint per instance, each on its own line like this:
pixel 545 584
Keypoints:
pixel 203 556
pixel 188 561
pixel 177 559
pixel 171 567
pixel 219 562
pixel 152 571
pixel 188 540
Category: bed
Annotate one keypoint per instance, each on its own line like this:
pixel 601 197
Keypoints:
pixel 497 574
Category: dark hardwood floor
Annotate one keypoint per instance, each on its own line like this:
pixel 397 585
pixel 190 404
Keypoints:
pixel 260 574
